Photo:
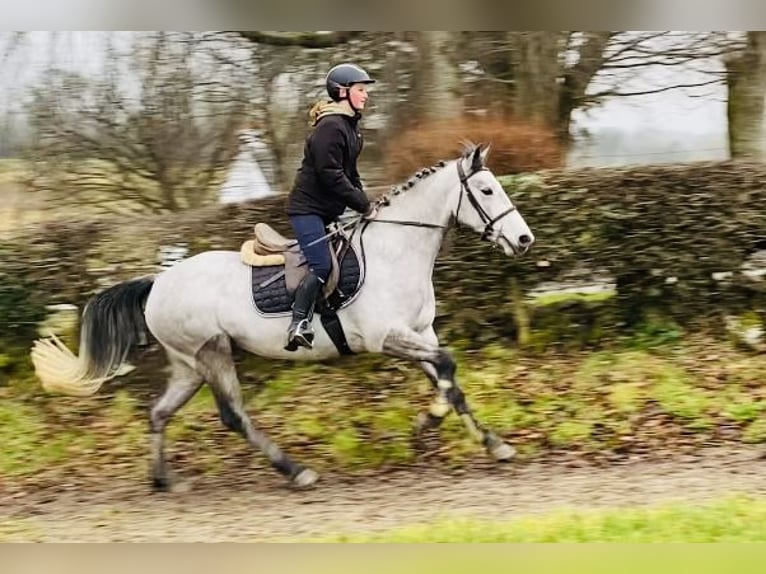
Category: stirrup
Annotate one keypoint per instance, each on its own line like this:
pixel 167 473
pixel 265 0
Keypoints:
pixel 304 334
pixel 300 335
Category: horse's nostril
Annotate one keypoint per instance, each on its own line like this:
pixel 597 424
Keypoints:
pixel 524 240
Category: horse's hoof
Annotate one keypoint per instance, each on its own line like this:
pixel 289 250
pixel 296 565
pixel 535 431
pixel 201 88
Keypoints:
pixel 425 421
pixel 161 484
pixel 172 483
pixel 162 479
pixel 502 452
pixel 305 478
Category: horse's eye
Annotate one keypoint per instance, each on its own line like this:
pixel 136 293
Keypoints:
pixel 486 190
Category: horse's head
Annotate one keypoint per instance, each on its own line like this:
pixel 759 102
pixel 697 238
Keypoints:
pixel 485 207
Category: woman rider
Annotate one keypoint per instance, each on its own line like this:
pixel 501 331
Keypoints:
pixel 326 184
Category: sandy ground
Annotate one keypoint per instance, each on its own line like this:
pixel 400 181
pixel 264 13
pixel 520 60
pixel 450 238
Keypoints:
pixel 257 506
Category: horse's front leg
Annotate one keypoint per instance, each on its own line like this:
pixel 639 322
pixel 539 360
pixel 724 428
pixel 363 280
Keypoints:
pixel 407 344
pixel 439 407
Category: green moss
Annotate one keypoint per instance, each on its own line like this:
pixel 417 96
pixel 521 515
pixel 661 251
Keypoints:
pixel 750 319
pixel 28 447
pixel 655 330
pixel 571 321
pixel 743 409
pixel 345 447
pixel 311 426
pixel 755 432
pixel 570 432
pixel 679 397
pixel 495 352
pixel 627 397
pixel 22 436
pixel 546 299
pixel 125 427
pixel 285 384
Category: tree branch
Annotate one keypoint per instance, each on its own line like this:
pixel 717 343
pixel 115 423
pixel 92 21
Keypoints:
pixel 591 60
pixel 617 92
pixel 302 39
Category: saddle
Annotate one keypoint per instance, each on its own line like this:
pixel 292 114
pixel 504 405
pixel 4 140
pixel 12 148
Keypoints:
pixel 278 265
pixel 269 248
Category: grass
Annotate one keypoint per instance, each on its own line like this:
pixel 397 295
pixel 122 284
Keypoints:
pixel 570 297
pixel 358 414
pixel 21 434
pixel 679 397
pixel 737 518
pixel 27 447
pixel 18 530
pixel 756 432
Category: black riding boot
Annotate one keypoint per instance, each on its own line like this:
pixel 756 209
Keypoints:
pixel 300 332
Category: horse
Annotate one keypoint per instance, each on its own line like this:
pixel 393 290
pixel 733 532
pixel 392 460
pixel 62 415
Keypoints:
pixel 202 307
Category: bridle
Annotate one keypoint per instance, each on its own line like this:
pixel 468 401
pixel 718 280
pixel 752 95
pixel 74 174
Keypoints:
pixel 485 218
pixel 465 189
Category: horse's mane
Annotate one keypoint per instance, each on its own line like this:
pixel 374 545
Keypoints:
pixel 418 175
pixel 467 149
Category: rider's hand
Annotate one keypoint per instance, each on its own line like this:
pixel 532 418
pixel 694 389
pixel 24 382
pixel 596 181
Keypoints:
pixel 372 213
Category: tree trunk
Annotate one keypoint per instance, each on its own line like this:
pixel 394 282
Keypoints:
pixel 746 84
pixel 577 77
pixel 438 79
pixel 535 76
pixel 536 65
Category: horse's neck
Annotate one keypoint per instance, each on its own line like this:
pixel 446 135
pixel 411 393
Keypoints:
pixel 410 247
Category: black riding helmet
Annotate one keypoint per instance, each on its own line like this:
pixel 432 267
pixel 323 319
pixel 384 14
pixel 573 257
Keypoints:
pixel 342 76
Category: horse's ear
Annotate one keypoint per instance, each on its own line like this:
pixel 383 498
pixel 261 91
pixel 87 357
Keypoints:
pixel 485 153
pixel 477 161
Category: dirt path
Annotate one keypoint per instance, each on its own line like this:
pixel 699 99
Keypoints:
pixel 258 507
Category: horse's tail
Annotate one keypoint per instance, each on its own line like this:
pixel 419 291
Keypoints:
pixel 112 323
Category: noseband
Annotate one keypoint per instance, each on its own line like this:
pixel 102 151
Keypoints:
pixel 485 218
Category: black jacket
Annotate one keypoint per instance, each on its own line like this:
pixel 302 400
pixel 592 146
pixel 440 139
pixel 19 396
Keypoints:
pixel 327 181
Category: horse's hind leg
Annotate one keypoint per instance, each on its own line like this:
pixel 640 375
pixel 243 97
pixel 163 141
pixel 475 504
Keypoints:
pixel 184 381
pixel 408 344
pixel 217 365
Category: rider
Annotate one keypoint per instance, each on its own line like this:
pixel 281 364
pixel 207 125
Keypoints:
pixel 326 184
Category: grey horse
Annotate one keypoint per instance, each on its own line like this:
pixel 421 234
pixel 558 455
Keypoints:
pixel 201 307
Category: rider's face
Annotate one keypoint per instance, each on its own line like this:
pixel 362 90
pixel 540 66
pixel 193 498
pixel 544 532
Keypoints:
pixel 357 95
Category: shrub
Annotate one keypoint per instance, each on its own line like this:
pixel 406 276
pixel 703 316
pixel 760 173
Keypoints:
pixel 21 308
pixel 517 146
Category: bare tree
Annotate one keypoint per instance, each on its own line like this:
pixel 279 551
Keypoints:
pixel 538 76
pixel 154 133
pixel 290 68
pixel 547 75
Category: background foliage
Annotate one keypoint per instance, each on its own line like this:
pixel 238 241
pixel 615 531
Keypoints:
pixel 659 233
